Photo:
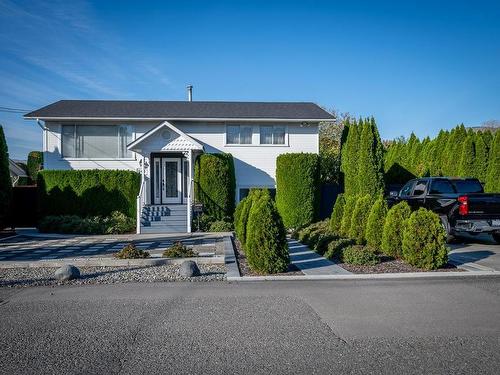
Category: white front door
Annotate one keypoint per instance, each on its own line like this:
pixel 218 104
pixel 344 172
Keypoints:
pixel 171 180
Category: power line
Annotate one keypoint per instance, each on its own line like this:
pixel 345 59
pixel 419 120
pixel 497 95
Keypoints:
pixel 13 110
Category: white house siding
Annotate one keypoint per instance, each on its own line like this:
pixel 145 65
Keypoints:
pixel 255 165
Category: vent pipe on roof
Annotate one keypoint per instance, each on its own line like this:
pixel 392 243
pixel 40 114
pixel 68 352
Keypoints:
pixel 190 93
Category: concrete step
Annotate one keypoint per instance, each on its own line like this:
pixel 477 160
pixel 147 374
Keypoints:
pixel 165 229
pixel 165 222
pixel 163 218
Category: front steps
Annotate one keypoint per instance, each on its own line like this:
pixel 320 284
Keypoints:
pixel 164 218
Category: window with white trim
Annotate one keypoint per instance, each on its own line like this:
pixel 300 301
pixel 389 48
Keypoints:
pixel 96 141
pixel 272 135
pixel 239 134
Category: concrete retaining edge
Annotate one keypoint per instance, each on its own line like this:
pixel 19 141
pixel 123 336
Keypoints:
pixel 375 276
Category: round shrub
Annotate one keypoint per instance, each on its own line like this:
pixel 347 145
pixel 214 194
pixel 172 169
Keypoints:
pixel 359 256
pixel 359 218
pixel 131 252
pixel 392 236
pixel 215 184
pixel 179 250
pixel 335 247
pixel 297 193
pixel 350 203
pixel 266 248
pixel 375 224
pixel 220 226
pixel 424 240
pixel 338 210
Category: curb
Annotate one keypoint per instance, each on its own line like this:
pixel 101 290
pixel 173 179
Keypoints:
pixel 375 276
pixel 232 270
pixel 108 262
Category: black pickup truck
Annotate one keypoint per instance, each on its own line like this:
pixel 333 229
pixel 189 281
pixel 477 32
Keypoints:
pixel 461 203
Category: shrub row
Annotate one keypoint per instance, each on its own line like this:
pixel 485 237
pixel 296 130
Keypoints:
pixel 418 237
pixel 215 184
pixel 117 223
pixel 261 232
pixel 87 192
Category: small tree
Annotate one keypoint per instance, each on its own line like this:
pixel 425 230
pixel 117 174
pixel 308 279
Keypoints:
pixel 266 246
pixel 338 210
pixel 375 224
pixel 392 237
pixel 359 219
pixel 5 182
pixel 493 176
pixel 34 164
pixel 424 240
pixel 350 203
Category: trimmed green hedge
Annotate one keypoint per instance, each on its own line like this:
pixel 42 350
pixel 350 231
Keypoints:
pixel 215 184
pixel 297 188
pixel 87 192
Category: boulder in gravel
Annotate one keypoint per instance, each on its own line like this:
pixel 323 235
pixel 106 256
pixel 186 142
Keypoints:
pixel 67 272
pixel 189 268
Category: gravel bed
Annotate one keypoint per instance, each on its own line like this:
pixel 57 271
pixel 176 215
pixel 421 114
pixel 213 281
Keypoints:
pixel 245 268
pixel 23 277
pixel 391 265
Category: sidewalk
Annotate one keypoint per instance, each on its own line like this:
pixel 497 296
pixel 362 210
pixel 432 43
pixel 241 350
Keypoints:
pixel 311 263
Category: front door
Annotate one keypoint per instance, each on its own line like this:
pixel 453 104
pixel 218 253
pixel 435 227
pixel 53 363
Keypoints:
pixel 167 180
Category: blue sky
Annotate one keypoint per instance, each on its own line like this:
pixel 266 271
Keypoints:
pixel 416 66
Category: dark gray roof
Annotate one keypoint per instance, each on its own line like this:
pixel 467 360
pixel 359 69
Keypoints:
pixel 178 110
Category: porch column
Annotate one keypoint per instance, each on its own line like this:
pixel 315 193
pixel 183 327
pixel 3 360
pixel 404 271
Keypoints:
pixel 189 202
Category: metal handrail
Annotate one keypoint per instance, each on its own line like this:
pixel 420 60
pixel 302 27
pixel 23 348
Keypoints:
pixel 140 200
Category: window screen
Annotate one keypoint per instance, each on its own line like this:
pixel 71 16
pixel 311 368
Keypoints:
pixel 239 134
pixel 272 135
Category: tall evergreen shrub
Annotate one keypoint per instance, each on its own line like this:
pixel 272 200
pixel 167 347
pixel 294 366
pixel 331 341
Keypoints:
pixel 467 158
pixel 359 218
pixel 392 236
pixel 5 182
pixel 349 158
pixel 336 217
pixel 493 175
pixel 375 223
pixel 266 247
pixel 215 184
pixel 297 188
pixel 370 160
pixel 350 203
pixel 481 160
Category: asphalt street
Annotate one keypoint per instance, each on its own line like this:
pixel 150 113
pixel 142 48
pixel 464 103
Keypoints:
pixel 431 326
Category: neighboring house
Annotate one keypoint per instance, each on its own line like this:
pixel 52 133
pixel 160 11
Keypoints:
pixel 16 172
pixel 161 139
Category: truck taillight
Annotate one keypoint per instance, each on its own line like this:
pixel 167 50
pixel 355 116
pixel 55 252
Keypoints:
pixel 463 208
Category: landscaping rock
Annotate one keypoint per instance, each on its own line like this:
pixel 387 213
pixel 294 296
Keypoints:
pixel 189 268
pixel 67 272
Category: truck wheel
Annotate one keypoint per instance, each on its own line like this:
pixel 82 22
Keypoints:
pixel 496 237
pixel 450 238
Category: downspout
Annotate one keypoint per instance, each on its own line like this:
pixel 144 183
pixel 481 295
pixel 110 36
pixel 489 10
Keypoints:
pixel 45 135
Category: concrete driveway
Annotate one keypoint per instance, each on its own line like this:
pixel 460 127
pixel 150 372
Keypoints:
pixel 476 253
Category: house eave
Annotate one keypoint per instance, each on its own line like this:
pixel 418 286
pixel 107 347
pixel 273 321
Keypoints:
pixel 207 119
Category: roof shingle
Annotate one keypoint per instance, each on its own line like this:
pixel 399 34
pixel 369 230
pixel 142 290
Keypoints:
pixel 180 109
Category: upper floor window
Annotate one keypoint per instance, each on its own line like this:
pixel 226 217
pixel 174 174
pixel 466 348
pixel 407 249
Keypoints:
pixel 96 141
pixel 239 134
pixel 272 135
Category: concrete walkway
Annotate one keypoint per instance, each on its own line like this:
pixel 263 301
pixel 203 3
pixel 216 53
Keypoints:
pixel 311 263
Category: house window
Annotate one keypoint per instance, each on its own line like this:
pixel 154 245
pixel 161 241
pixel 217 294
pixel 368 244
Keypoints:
pixel 96 141
pixel 239 134
pixel 272 135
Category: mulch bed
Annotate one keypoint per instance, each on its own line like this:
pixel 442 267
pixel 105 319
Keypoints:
pixel 391 265
pixel 245 268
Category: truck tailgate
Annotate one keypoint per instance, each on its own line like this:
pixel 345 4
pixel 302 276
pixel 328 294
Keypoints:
pixel 484 206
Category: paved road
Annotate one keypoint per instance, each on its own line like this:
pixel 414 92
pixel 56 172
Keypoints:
pixel 436 326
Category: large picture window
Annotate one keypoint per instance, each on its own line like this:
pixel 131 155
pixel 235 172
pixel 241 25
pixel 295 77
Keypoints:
pixel 96 141
pixel 272 135
pixel 239 134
